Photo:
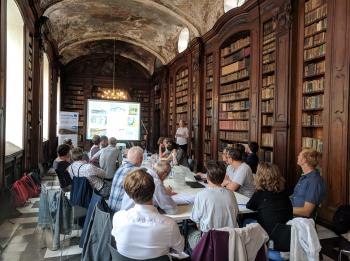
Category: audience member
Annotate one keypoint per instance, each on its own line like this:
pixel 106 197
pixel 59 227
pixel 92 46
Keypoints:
pixel 134 159
pixel 61 164
pixel 242 179
pixel 94 149
pixel 229 168
pixel 68 142
pixel 103 141
pixel 141 232
pixel 162 195
pixel 178 156
pixel 270 200
pixel 215 206
pixel 310 190
pixel 95 175
pixel 252 158
pixel 163 152
pixel 109 157
pixel 182 136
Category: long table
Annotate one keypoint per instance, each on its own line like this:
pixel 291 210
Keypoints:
pixel 184 211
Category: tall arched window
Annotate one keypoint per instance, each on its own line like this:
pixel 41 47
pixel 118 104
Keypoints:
pixel 230 4
pixel 184 38
pixel 14 75
pixel 46 98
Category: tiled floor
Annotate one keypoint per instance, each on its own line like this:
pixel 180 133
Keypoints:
pixel 21 240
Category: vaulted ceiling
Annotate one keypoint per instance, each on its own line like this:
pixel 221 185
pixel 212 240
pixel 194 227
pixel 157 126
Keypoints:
pixel 145 30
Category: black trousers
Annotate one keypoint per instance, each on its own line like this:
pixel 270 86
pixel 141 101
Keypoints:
pixel 184 147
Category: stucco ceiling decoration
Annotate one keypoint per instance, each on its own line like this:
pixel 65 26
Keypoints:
pixel 126 50
pixel 152 25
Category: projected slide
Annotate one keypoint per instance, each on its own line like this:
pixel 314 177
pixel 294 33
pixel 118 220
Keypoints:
pixel 113 119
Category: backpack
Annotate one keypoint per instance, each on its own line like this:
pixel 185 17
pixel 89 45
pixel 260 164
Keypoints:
pixel 32 188
pixel 341 219
pixel 21 193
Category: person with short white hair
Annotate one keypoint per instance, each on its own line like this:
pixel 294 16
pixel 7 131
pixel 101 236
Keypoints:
pixel 162 195
pixel 134 160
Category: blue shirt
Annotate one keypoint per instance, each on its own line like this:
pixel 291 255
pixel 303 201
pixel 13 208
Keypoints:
pixel 310 188
pixel 117 191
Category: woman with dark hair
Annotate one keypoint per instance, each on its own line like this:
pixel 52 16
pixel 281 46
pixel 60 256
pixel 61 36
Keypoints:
pixel 177 156
pixel 61 164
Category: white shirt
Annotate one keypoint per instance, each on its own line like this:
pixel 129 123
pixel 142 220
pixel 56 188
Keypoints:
pixel 142 233
pixel 182 131
pixel 215 208
pixel 229 171
pixel 160 198
pixel 244 177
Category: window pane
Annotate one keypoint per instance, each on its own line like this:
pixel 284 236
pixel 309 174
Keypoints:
pixel 14 75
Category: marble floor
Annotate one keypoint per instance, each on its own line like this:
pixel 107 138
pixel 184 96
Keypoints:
pixel 21 240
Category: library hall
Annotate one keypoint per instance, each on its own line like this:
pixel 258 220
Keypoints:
pixel 159 130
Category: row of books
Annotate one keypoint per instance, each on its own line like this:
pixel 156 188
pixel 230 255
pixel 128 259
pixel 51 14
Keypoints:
pixel 235 46
pixel 208 121
pixel 207 134
pixel 73 102
pixel 316 14
pixel 267 106
pixel 268 39
pixel 233 136
pixel 180 109
pixel 181 99
pixel 316 27
pixel 240 115
pixel 182 116
pixel 234 106
pixel 181 93
pixel 209 94
pixel 314 85
pixel 266 156
pixel 315 68
pixel 312 4
pixel 268 58
pixel 308 119
pixel 209 59
pixel 234 76
pixel 313 102
pixel 209 86
pixel 182 74
pixel 234 125
pixel 312 143
pixel 315 52
pixel 239 55
pixel 267 120
pixel 315 40
pixel 181 87
pixel 233 87
pixel 208 103
pixel 234 67
pixel 208 112
pixel 79 94
pixel 267 139
pixel 207 147
pixel 268 93
pixel 268 67
pixel 269 28
pixel 235 96
pixel 268 80
pixel 181 81
pixel 210 79
pixel 269 47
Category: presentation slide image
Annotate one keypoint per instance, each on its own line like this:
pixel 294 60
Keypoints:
pixel 113 118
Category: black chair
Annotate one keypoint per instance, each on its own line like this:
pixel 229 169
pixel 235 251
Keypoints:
pixel 116 256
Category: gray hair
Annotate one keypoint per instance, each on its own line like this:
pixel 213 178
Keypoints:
pixel 135 154
pixel 162 167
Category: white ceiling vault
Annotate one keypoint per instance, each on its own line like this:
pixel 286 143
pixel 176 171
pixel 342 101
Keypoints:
pixel 145 30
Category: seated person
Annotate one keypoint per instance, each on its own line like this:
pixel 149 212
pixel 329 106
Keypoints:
pixel 178 156
pixel 310 190
pixel 94 149
pixel 61 164
pixel 162 195
pixel 270 200
pixel 141 232
pixel 163 151
pixel 214 206
pixel 134 160
pixel 252 158
pixel 95 175
pixel 241 180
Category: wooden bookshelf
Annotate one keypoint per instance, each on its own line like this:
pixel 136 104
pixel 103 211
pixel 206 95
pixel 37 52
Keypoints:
pixel 194 109
pixel 182 96
pixel 143 97
pixel 315 29
pixel 208 120
pixel 172 125
pixel 234 88
pixel 267 96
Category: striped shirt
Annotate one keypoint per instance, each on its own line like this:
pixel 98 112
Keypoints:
pixel 117 191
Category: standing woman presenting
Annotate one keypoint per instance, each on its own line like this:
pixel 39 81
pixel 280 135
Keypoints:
pixel 182 136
